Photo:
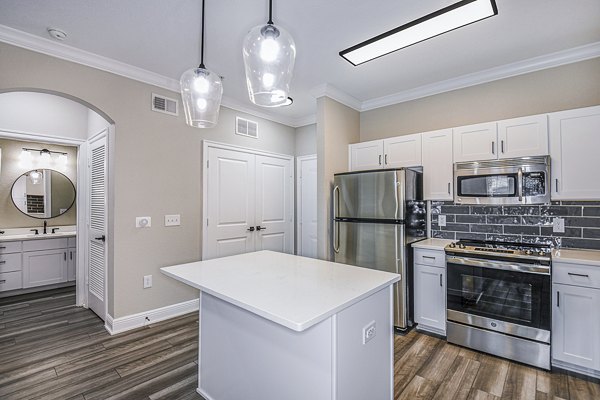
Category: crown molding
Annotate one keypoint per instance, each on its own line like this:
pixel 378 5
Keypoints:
pixel 551 60
pixel 65 52
pixel 328 90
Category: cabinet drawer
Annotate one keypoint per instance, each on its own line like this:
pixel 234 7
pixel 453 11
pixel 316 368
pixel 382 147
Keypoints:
pixel 11 281
pixel 576 275
pixel 45 244
pixel 10 247
pixel 430 257
pixel 10 262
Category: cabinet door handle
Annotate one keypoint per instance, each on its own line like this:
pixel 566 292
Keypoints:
pixel 441 281
pixel 2 262
pixel 557 299
pixel 3 247
pixel 448 187
pixel 380 159
pixel 65 255
pixel 582 275
pixel 71 255
pixel 493 147
pixel 385 159
pixel 3 281
pixel 429 257
pixel 556 184
pixel 502 146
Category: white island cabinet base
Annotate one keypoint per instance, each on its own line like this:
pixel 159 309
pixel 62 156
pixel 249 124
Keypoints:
pixel 275 326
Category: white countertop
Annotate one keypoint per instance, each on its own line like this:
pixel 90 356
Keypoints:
pixel 432 244
pixel 576 256
pixel 293 291
pixel 32 236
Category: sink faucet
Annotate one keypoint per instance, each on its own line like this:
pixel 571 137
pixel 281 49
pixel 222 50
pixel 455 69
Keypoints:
pixel 45 226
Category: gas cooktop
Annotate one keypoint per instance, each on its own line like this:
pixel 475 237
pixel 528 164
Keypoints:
pixel 501 249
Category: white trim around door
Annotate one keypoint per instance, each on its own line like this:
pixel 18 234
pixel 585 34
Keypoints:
pixel 304 163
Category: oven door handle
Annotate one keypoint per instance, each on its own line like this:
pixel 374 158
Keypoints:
pixel 505 266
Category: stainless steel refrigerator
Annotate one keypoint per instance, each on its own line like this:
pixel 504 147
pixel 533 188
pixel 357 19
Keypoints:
pixel 377 215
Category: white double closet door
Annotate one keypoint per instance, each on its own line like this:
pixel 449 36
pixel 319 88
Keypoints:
pixel 249 203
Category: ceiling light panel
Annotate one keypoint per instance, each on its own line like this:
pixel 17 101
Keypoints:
pixel 449 18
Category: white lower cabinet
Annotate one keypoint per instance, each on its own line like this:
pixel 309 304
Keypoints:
pixel 576 317
pixel 44 267
pixel 72 264
pixel 430 292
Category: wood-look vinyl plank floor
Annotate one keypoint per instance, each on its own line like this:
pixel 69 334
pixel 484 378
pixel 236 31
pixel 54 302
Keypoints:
pixel 50 349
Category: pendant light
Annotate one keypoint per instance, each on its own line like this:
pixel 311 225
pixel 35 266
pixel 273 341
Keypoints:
pixel 201 92
pixel 269 54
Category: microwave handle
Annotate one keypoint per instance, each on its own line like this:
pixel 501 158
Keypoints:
pixel 520 183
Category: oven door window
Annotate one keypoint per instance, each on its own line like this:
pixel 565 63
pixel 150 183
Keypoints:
pixel 504 185
pixel 516 297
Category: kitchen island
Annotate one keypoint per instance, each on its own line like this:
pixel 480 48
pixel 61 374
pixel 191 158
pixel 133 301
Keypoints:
pixel 277 326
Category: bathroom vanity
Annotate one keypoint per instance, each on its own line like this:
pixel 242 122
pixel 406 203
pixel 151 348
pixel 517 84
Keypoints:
pixel 32 261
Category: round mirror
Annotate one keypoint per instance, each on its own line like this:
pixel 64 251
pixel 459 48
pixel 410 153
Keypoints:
pixel 43 193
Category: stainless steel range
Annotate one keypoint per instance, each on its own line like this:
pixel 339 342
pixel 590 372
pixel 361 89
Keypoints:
pixel 499 299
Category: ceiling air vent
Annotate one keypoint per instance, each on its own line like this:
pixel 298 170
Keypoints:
pixel 164 104
pixel 245 127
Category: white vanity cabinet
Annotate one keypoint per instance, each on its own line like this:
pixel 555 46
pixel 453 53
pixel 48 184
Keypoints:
pixel 574 144
pixel 430 290
pixel 396 152
pixel 10 266
pixel 437 165
pixel 575 317
pixel 510 138
pixel 44 262
pixel 72 260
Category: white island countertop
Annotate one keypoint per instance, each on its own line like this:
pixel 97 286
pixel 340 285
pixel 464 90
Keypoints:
pixel 293 291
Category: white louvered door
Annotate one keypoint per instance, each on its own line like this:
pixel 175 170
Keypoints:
pixel 97 226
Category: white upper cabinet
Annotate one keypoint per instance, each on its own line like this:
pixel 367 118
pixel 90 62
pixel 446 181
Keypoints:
pixel 475 142
pixel 523 137
pixel 402 151
pixel 437 165
pixel 366 155
pixel 574 146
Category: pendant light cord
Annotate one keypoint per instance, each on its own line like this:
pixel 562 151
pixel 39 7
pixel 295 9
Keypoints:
pixel 202 41
pixel 270 12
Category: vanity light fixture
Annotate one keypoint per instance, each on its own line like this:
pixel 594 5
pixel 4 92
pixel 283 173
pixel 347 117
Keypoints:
pixel 269 54
pixel 201 92
pixel 46 157
pixel 454 16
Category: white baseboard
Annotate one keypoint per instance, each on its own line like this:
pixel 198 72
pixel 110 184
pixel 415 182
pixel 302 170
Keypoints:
pixel 576 368
pixel 129 322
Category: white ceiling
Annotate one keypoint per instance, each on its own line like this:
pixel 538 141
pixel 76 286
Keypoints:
pixel 163 37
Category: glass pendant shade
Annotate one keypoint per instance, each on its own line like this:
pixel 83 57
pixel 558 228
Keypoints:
pixel 201 92
pixel 269 55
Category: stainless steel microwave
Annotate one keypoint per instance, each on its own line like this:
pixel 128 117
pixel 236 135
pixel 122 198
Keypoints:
pixel 513 181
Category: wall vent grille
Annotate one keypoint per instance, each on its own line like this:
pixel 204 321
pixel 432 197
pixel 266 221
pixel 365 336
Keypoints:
pixel 165 105
pixel 245 127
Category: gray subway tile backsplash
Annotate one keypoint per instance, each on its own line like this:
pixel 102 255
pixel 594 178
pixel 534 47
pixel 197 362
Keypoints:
pixel 531 224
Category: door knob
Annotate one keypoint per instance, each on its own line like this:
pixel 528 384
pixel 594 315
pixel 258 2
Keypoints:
pixel 101 238
pixel 251 229
pixel 260 228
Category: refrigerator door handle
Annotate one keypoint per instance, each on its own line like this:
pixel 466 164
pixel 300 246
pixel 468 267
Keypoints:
pixel 336 224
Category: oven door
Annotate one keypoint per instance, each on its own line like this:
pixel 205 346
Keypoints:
pixel 500 296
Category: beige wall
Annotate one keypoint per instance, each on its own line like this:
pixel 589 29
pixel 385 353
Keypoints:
pixel 157 166
pixel 561 88
pixel 306 140
pixel 11 169
pixel 337 126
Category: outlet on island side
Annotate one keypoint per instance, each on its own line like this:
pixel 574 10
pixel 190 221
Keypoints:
pixel 147 281
pixel 369 332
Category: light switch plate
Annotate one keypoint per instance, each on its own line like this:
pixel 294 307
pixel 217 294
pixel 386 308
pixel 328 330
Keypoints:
pixel 143 222
pixel 173 220
pixel 441 220
pixel 558 225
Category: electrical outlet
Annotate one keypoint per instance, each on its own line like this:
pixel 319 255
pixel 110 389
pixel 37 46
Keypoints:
pixel 143 222
pixel 369 332
pixel 147 281
pixel 441 220
pixel 172 220
pixel 558 225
